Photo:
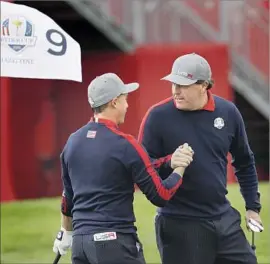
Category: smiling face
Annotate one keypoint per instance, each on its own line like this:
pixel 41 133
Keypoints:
pixel 189 97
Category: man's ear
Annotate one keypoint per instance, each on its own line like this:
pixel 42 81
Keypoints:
pixel 114 102
pixel 204 86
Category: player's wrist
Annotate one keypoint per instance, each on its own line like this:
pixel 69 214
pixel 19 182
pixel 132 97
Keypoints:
pixel 256 210
pixel 179 170
pixel 68 232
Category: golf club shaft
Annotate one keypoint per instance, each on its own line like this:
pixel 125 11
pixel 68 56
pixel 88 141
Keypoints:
pixel 57 258
pixel 253 241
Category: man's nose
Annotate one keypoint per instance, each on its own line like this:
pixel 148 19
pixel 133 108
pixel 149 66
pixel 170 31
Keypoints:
pixel 179 90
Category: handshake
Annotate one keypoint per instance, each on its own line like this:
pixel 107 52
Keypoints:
pixel 181 158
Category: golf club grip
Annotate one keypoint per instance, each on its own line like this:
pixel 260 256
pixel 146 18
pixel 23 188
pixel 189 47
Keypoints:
pixel 57 258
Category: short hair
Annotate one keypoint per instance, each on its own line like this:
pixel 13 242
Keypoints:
pixel 210 83
pixel 100 109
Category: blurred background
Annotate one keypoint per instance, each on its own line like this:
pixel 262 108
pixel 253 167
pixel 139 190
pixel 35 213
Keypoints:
pixel 138 40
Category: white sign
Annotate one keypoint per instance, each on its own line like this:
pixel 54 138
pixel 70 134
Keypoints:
pixel 34 46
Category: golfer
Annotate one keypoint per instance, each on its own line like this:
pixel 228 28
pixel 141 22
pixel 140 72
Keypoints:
pixel 199 225
pixel 100 165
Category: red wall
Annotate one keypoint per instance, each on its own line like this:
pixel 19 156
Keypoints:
pixel 45 112
pixel 7 192
pixel 27 97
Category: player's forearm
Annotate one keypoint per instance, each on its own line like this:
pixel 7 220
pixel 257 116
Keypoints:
pixel 244 163
pixel 163 166
pixel 66 222
pixel 248 181
pixel 157 163
pixel 158 191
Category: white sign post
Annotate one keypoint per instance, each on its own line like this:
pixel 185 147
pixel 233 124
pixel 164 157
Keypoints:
pixel 34 46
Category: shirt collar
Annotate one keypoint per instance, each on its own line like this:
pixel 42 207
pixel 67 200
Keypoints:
pixel 104 121
pixel 210 105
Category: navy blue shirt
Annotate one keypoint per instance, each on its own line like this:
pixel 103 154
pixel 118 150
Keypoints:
pixel 213 132
pixel 100 165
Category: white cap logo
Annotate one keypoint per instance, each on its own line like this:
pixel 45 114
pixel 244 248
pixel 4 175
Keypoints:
pixel 219 123
pixel 185 74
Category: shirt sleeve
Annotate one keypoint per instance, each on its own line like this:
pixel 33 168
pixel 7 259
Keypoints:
pixel 161 162
pixel 143 173
pixel 152 142
pixel 244 163
pixel 67 195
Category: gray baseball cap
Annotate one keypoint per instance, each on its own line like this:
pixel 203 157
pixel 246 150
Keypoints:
pixel 106 87
pixel 189 69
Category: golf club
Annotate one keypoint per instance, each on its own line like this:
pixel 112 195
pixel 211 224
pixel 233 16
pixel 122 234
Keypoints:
pixel 253 246
pixel 254 227
pixel 57 258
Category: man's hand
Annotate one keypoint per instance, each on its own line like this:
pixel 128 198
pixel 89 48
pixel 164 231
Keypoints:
pixel 182 156
pixel 254 216
pixel 62 242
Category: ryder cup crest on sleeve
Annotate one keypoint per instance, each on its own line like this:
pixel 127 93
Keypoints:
pixel 106 87
pixel 188 69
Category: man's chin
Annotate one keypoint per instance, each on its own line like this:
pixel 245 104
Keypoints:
pixel 181 106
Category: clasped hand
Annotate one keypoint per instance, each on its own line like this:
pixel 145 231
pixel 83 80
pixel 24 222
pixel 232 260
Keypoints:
pixel 182 157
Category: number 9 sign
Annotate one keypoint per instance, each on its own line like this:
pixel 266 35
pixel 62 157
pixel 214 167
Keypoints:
pixel 62 43
pixel 34 46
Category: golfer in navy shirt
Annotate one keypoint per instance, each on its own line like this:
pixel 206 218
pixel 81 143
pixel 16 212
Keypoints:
pixel 100 166
pixel 198 225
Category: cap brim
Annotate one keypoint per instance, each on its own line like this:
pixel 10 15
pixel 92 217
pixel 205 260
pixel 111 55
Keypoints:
pixel 131 87
pixel 180 80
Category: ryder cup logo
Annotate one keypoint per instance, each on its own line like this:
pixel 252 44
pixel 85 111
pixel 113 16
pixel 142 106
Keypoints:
pixel 17 33
pixel 219 123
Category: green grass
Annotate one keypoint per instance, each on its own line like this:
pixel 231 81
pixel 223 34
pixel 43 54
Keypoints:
pixel 28 228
